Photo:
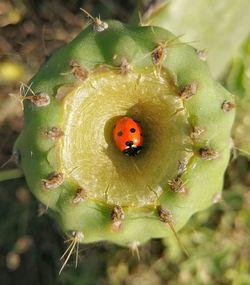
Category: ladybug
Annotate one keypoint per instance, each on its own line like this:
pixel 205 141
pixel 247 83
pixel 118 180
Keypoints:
pixel 128 136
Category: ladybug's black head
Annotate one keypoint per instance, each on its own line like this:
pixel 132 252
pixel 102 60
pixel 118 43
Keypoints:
pixel 132 151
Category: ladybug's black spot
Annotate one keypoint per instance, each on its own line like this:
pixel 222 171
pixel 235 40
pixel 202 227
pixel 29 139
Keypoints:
pixel 141 135
pixel 129 143
pixel 114 126
pixel 120 134
pixel 132 130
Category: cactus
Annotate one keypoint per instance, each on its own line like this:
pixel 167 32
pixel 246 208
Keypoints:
pixel 66 149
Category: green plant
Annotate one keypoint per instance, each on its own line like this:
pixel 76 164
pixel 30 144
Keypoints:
pixel 216 238
pixel 70 107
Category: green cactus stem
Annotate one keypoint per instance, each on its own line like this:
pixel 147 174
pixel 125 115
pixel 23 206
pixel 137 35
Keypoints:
pixel 67 152
pixel 11 174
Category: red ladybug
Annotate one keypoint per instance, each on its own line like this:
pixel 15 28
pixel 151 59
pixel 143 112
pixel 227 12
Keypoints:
pixel 128 136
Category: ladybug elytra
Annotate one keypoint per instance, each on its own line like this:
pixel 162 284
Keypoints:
pixel 128 136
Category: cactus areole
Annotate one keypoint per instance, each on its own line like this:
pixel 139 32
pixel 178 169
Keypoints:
pixel 68 153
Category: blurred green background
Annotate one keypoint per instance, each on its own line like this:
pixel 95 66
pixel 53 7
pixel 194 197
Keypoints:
pixel 31 243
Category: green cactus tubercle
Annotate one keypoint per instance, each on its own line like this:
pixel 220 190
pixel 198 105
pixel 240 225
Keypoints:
pixel 68 154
